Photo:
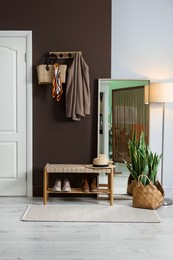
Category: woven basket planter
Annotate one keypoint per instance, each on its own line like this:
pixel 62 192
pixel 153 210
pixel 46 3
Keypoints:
pixel 149 196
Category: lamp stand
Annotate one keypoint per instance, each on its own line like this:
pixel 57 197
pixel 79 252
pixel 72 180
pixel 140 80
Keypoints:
pixel 166 201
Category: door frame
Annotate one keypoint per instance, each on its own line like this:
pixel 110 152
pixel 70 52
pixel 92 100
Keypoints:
pixel 29 127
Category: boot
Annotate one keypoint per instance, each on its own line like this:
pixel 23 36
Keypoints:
pixel 85 185
pixel 93 184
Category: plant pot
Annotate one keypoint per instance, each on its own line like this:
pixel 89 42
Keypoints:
pixel 149 196
pixel 160 188
pixel 130 185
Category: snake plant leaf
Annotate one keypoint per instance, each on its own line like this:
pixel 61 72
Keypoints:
pixel 153 163
pixel 131 170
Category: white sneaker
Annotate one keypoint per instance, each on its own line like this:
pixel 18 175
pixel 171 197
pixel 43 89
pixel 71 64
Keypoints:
pixel 57 185
pixel 66 186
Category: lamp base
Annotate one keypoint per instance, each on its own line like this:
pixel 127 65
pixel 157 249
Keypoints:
pixel 167 202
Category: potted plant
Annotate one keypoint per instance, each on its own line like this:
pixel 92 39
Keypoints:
pixel 143 162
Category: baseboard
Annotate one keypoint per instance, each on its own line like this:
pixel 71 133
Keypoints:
pixel 168 193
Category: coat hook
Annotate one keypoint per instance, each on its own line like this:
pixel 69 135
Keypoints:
pixel 61 55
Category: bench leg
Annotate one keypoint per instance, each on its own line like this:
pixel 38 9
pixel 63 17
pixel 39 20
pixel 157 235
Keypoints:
pixel 111 187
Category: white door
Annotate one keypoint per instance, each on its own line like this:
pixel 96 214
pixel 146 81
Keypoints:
pixel 13 116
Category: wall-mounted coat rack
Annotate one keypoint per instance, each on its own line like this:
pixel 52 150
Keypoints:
pixel 66 54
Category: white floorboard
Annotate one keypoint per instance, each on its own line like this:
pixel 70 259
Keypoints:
pixel 81 241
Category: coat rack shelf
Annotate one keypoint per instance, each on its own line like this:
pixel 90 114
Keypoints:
pixel 65 55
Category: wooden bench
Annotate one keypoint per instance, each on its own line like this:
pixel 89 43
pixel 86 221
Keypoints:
pixel 107 189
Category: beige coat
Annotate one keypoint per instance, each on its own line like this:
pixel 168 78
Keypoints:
pixel 78 89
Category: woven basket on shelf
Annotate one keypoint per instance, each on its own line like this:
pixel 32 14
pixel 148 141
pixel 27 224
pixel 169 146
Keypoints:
pixel 46 76
pixel 148 197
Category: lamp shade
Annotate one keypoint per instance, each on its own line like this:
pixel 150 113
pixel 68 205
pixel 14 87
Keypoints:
pixel 161 92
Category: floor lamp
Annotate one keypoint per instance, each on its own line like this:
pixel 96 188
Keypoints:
pixel 162 93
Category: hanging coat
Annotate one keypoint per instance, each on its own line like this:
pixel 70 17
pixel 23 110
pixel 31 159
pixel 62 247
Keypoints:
pixel 78 89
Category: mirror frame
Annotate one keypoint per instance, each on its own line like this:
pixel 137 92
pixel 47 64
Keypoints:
pixel 103 86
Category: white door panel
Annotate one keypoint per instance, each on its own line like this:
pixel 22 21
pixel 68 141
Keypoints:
pixel 9 169
pixel 12 116
pixel 7 105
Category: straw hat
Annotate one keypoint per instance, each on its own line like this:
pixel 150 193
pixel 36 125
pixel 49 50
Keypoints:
pixel 100 161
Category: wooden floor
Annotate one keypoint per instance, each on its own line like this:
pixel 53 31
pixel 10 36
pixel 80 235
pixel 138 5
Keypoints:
pixel 81 241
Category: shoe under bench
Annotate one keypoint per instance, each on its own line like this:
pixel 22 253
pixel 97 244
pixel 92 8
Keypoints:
pixel 106 189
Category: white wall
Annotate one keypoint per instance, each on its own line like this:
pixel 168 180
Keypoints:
pixel 142 48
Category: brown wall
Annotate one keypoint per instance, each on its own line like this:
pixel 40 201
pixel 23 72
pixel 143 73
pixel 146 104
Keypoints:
pixel 78 25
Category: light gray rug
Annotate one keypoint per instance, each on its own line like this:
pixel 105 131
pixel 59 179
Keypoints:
pixel 89 213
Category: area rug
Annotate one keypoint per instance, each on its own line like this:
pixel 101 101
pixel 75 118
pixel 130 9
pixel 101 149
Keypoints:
pixel 89 213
